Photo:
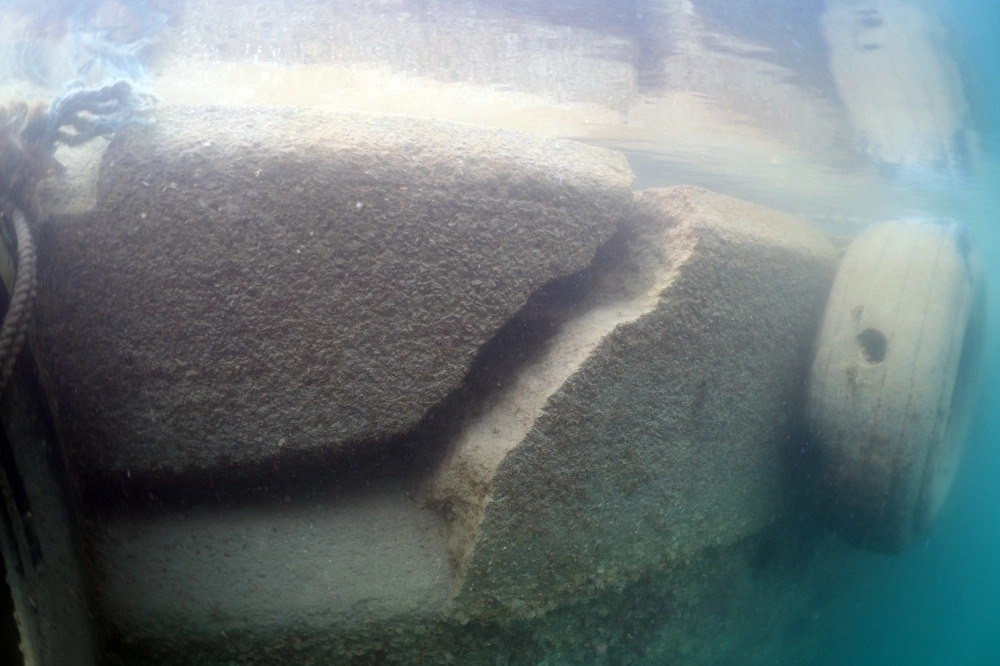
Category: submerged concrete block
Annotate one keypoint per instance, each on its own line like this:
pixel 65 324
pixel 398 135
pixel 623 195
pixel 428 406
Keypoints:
pixel 277 571
pixel 246 284
pixel 625 477
pixel 655 424
pixel 273 585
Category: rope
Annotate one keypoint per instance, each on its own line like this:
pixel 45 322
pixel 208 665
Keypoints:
pixel 28 138
pixel 18 316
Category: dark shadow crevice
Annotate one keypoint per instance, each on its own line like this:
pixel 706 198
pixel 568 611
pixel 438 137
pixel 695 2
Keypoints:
pixel 408 456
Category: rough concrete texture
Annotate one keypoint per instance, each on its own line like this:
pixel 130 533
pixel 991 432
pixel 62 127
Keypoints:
pixel 657 421
pixel 251 283
pixel 302 564
pixel 202 588
pixel 620 498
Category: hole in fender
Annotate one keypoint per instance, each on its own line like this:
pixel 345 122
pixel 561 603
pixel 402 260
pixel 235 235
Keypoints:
pixel 873 345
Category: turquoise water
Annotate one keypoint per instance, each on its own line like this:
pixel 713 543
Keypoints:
pixel 939 602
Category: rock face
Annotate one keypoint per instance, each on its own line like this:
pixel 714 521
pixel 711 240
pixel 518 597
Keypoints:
pixel 312 564
pixel 175 587
pixel 657 422
pixel 626 476
pixel 251 283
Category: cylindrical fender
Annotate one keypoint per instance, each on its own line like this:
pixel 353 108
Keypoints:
pixel 894 379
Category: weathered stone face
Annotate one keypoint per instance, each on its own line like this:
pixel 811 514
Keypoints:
pixel 626 476
pixel 204 583
pixel 321 562
pixel 254 282
pixel 657 422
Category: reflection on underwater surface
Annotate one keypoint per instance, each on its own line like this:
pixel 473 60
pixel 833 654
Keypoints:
pixel 842 112
pixel 51 43
pixel 774 101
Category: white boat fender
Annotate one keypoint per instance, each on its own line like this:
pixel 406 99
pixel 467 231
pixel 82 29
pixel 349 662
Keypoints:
pixel 894 378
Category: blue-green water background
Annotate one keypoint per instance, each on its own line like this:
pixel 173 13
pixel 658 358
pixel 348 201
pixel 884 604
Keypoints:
pixel 939 602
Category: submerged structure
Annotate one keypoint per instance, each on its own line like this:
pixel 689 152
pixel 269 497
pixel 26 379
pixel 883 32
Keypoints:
pixel 335 386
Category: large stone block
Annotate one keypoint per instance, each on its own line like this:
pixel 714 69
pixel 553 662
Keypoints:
pixel 627 476
pixel 245 284
pixel 272 585
pixel 656 424
pixel 312 567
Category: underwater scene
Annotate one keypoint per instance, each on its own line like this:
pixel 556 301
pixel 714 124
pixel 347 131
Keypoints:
pixel 499 332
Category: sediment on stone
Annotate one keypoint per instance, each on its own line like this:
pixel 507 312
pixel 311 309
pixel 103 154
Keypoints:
pixel 654 423
pixel 657 456
pixel 762 603
pixel 246 284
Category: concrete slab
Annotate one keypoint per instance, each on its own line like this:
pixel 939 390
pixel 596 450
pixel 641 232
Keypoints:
pixel 244 284
pixel 320 560
pixel 627 476
pixel 656 423
pixel 258 587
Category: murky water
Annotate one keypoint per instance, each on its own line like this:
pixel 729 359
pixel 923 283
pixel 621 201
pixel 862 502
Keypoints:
pixel 845 113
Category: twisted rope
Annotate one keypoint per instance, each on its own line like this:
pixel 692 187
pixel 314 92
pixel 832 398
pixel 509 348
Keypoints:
pixel 18 317
pixel 28 138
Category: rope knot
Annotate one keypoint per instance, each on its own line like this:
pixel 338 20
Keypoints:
pixel 28 138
